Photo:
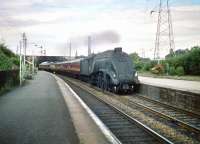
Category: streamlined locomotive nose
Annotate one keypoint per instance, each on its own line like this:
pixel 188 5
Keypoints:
pixel 125 78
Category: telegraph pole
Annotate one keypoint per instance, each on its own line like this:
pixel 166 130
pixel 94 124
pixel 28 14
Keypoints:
pixel 33 64
pixel 70 47
pixel 22 53
pixel 89 45
pixel 41 52
pixel 76 54
pixel 44 52
pixel 20 64
pixel 66 52
pixel 24 39
pixel 17 50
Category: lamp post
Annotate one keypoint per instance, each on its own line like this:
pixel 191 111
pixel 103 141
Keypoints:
pixel 32 63
pixel 41 52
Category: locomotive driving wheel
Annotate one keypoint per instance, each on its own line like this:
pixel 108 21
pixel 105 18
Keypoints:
pixel 115 89
pixel 108 83
pixel 104 82
pixel 100 80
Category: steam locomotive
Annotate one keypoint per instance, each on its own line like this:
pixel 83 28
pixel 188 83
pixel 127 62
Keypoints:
pixel 112 70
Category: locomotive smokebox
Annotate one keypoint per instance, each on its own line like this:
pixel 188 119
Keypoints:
pixel 118 50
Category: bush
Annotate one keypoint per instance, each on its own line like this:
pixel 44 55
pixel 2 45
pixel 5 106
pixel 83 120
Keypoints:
pixel 147 66
pixel 5 62
pixel 172 70
pixel 183 62
pixel 6 51
pixel 189 60
pixel 138 66
pixel 158 69
pixel 193 61
pixel 180 71
pixel 15 61
pixel 8 60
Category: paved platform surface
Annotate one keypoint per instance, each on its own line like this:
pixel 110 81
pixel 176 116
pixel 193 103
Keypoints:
pixel 36 114
pixel 190 86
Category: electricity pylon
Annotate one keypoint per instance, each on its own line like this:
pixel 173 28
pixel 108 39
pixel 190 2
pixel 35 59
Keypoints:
pixel 164 34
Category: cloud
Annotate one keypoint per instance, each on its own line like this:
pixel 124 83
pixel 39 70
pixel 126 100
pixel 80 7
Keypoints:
pixel 50 3
pixel 109 22
pixel 186 20
pixel 105 37
pixel 16 23
pixel 186 13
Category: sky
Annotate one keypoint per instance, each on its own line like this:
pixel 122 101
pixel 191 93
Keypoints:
pixel 110 23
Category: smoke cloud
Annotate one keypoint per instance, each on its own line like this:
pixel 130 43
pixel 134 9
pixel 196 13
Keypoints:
pixel 105 37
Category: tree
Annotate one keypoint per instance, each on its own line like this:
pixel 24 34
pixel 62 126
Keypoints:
pixel 135 57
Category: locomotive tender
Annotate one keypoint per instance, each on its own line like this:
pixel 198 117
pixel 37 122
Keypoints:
pixel 112 70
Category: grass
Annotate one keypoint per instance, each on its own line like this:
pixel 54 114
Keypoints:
pixel 185 77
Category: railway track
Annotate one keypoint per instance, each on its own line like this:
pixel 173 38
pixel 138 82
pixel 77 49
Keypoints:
pixel 186 119
pixel 125 128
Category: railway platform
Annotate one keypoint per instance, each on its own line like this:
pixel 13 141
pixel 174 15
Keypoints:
pixel 38 113
pixel 183 85
pixel 179 93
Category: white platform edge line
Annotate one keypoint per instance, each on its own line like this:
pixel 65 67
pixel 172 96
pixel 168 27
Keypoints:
pixel 108 134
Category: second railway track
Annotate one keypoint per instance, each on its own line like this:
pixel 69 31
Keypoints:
pixel 188 120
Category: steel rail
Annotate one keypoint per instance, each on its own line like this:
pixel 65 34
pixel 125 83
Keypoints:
pixel 191 113
pixel 179 122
